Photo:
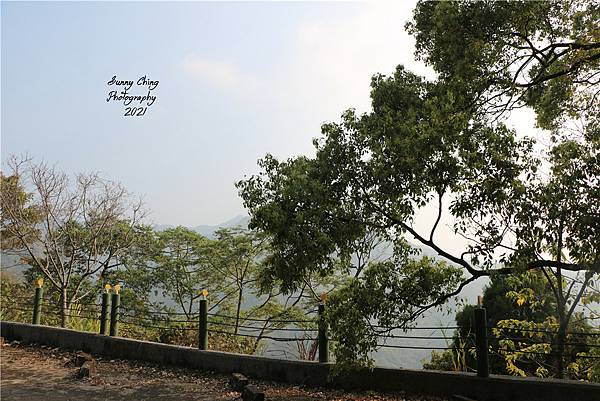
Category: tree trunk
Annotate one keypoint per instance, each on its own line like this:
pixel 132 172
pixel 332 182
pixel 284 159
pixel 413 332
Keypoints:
pixel 563 322
pixel 64 308
pixel 560 349
pixel 239 306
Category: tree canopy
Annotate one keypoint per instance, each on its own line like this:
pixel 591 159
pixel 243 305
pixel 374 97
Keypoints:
pixel 510 54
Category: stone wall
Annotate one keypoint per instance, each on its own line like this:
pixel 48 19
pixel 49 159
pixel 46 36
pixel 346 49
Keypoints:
pixel 493 388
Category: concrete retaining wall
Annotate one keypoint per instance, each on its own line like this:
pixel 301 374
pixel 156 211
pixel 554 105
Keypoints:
pixel 494 388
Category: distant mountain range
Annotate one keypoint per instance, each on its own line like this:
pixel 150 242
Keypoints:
pixel 209 231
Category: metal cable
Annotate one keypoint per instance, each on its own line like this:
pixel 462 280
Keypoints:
pixel 282 339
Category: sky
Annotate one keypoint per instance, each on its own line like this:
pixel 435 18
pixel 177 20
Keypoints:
pixel 236 81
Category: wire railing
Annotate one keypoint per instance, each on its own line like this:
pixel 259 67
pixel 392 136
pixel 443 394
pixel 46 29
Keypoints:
pixel 150 315
pixel 280 328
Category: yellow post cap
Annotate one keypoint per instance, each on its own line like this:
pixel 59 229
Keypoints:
pixel 107 287
pixel 39 282
pixel 324 297
pixel 117 288
pixel 204 292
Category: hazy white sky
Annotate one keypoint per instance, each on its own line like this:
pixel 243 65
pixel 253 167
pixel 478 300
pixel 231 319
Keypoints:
pixel 237 80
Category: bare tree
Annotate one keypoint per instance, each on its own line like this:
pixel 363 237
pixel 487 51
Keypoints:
pixel 71 230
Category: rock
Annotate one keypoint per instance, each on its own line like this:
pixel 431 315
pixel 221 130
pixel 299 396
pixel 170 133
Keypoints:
pixel 1 341
pixel 252 393
pixel 81 358
pixel 88 369
pixel 238 381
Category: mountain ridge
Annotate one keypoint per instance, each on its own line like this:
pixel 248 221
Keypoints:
pixel 209 230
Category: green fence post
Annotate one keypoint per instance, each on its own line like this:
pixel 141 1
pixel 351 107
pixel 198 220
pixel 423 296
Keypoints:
pixel 114 312
pixel 323 341
pixel 203 322
pixel 104 312
pixel 481 343
pixel 37 301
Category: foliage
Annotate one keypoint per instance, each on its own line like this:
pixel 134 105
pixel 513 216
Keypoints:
pixel 385 294
pixel 506 55
pixel 236 259
pixel 502 300
pixel 70 231
pixel 181 269
pixel 527 348
pixel 15 305
pixel 521 312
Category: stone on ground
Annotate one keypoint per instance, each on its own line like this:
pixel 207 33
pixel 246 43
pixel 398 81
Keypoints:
pixel 252 393
pixel 88 369
pixel 81 358
pixel 238 381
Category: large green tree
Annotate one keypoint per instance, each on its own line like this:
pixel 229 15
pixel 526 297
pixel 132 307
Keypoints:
pixel 421 146
pixel 443 143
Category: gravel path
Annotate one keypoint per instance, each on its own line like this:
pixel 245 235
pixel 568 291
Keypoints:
pixel 45 374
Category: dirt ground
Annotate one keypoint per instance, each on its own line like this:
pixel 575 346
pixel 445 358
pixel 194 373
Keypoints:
pixel 45 374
